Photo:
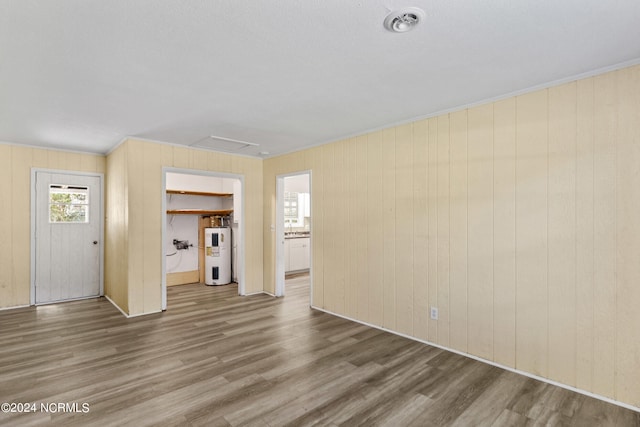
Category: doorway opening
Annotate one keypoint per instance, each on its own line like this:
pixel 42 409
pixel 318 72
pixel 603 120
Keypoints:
pixel 196 203
pixel 293 231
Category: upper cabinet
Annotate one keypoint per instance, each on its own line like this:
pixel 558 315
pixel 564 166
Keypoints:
pixel 297 207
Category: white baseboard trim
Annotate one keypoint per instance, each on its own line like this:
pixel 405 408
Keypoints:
pixel 129 316
pixel 117 306
pixel 258 293
pixel 479 359
pixel 144 314
pixel 14 307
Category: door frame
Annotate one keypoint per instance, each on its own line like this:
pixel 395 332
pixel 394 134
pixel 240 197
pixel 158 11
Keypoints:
pixel 279 234
pixel 241 243
pixel 34 172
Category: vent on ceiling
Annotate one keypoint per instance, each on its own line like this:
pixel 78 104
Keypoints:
pixel 219 143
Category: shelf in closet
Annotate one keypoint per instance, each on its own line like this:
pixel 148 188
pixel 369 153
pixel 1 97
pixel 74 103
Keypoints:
pixel 203 212
pixel 198 193
pixel 219 212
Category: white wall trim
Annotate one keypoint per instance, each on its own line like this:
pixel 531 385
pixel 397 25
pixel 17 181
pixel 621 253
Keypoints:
pixel 115 147
pixel 541 86
pixel 455 108
pixel 13 307
pixel 116 306
pixel 129 316
pixel 44 147
pixel 489 362
pixel 265 293
pixel 279 237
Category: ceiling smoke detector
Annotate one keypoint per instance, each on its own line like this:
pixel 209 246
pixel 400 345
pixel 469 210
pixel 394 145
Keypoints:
pixel 403 20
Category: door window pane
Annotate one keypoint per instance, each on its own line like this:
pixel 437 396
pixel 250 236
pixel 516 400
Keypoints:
pixel 68 204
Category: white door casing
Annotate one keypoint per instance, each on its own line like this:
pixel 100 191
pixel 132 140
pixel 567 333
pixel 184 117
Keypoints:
pixel 67 254
pixel 279 233
pixel 279 238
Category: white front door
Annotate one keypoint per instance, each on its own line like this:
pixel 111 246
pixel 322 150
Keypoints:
pixel 68 224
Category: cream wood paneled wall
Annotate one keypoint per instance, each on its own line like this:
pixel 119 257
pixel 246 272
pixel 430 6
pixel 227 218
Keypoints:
pixel 15 226
pixel 135 212
pixel 517 219
pixel 116 253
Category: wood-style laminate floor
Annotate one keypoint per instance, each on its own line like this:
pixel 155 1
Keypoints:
pixel 216 359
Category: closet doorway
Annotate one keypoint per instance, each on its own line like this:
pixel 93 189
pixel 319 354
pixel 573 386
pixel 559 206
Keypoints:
pixel 192 200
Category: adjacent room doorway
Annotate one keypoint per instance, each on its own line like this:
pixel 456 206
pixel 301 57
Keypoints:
pixel 293 231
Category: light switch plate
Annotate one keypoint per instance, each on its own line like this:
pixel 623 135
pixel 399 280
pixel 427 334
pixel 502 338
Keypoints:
pixel 434 313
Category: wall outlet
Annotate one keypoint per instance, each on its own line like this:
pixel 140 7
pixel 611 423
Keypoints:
pixel 434 313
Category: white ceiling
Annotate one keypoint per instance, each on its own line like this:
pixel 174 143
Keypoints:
pixel 84 74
